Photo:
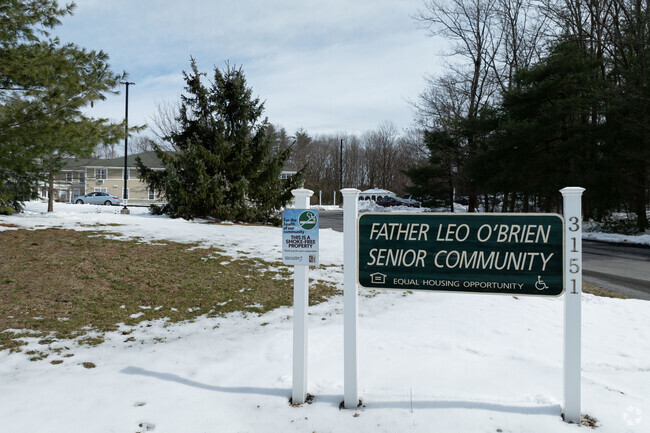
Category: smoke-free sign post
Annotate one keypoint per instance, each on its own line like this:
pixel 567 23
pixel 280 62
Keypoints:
pixel 300 237
pixel 516 254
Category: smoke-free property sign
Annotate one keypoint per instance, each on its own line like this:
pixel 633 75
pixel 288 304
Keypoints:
pixel 517 254
pixel 300 237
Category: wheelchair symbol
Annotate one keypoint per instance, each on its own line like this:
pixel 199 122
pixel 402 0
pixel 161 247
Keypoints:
pixel 539 284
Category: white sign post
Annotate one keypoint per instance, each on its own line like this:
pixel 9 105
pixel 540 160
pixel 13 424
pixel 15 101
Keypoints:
pixel 300 304
pixel 572 197
pixel 572 296
pixel 350 299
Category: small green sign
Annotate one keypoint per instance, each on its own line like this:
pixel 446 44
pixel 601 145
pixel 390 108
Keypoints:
pixel 516 254
pixel 308 220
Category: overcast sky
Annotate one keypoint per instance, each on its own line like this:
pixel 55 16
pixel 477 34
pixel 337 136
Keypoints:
pixel 326 66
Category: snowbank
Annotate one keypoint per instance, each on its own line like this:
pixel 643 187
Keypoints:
pixel 643 239
pixel 428 362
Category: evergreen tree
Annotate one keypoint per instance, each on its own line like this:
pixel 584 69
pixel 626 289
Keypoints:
pixel 223 168
pixel 547 138
pixel 44 86
pixel 434 183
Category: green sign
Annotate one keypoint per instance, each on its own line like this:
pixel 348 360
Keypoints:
pixel 515 254
pixel 308 219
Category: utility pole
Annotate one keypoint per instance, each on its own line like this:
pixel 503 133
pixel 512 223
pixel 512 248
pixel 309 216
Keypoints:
pixel 125 210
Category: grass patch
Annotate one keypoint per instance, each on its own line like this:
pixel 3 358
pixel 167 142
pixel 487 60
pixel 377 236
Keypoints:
pixel 599 291
pixel 59 284
pixel 36 355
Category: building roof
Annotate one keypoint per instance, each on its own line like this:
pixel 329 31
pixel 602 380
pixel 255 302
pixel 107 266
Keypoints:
pixel 375 191
pixel 76 163
pixel 149 159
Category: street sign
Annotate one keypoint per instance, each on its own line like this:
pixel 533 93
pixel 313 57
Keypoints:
pixel 300 237
pixel 515 254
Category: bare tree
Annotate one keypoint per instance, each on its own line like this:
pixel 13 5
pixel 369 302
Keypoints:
pixel 441 103
pixel 105 151
pixel 472 26
pixel 141 144
pixel 411 143
pixel 354 163
pixel 524 27
pixel 164 124
pixel 322 158
pixel 384 158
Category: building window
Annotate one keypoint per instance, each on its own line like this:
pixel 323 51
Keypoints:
pixel 63 195
pixel 69 177
pixel 286 175
pixel 82 176
pixel 101 173
pixel 152 194
pixel 76 192
pixel 100 190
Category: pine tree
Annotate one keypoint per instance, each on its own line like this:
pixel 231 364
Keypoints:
pixel 44 86
pixel 224 168
pixel 434 183
pixel 546 138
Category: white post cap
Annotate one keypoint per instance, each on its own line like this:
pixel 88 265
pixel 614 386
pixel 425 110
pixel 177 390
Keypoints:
pixel 572 190
pixel 302 192
pixel 350 191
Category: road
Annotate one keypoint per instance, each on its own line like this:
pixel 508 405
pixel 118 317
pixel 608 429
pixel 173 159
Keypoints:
pixel 331 220
pixel 621 268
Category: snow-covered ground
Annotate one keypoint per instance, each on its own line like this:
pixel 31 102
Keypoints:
pixel 429 362
pixel 642 239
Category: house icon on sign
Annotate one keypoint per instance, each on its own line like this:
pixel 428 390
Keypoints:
pixel 378 278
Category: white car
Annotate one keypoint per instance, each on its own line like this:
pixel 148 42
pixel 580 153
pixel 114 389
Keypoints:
pixel 97 198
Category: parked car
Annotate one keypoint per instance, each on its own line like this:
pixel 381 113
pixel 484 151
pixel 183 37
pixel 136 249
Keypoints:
pixel 408 198
pixel 97 198
pixel 396 201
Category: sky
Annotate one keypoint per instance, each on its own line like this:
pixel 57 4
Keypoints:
pixel 328 66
